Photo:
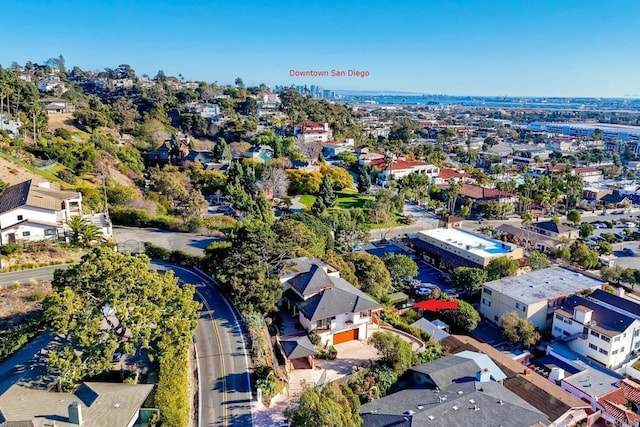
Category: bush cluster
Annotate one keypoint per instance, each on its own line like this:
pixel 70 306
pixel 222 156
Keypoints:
pixel 12 340
pixel 176 256
pixel 172 395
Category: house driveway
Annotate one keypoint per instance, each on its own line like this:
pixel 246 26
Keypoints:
pixel 350 354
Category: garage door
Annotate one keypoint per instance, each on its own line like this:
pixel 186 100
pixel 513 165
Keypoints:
pixel 345 336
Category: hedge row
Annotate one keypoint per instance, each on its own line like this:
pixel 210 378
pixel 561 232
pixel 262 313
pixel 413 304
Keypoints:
pixel 172 394
pixel 140 218
pixel 12 340
pixel 175 257
pixel 30 265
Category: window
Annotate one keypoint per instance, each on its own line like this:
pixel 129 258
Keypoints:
pixel 616 339
pixel 364 313
pixel 496 318
pixel 26 233
pixel 595 334
pixel 556 329
pixel 50 232
pixel 593 346
pixel 521 306
pixel 559 317
pixel 323 324
pixel 20 217
pixel 605 339
pixel 603 351
pixel 621 349
pixel 614 352
pixel 485 302
pixel 636 332
pixel 487 291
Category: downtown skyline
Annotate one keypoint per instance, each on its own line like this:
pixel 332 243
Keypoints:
pixel 572 49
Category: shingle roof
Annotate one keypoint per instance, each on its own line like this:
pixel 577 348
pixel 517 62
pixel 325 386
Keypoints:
pixel 461 404
pixel 533 388
pixel 103 404
pixel 312 281
pixel 449 369
pixel 27 194
pixel 553 227
pixel 295 347
pixel 340 299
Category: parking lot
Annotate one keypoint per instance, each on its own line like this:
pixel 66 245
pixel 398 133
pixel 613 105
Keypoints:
pixel 426 273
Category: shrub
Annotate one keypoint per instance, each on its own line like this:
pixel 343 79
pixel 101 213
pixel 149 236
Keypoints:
pixel 156 252
pixel 314 338
pixel 172 395
pixel 38 295
pixel 67 176
pixel 10 248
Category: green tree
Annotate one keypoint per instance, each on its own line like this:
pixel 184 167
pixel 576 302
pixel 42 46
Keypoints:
pixel 364 182
pixel 502 267
pixel 582 255
pixel 400 267
pixel 372 274
pixel 393 350
pixel 318 207
pixel 326 192
pixel 468 278
pixel 464 317
pixel 538 260
pixel 518 330
pixel 611 274
pixel 605 248
pixel 304 240
pixel 586 229
pixel 332 405
pixel 574 217
pixel 112 302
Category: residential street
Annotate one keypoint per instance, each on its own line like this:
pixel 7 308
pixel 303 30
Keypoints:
pixel 25 276
pixel 225 390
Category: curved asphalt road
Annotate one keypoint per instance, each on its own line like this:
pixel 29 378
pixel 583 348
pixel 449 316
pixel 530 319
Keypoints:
pixel 223 367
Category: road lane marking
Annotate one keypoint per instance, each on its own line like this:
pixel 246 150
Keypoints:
pixel 224 374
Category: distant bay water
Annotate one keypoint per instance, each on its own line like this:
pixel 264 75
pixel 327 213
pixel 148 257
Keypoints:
pixel 435 101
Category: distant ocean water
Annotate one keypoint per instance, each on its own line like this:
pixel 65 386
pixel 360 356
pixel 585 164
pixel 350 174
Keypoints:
pixel 622 104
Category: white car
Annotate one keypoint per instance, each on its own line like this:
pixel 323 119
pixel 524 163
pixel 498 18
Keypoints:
pixel 629 224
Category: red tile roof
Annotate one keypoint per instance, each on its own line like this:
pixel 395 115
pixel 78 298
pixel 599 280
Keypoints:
pixel 614 403
pixel 447 173
pixel 585 169
pixel 477 192
pixel 398 164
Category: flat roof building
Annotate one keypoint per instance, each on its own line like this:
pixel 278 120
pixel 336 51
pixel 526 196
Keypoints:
pixel 449 248
pixel 533 295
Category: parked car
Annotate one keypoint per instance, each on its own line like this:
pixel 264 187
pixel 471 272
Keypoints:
pixel 628 251
pixel 597 237
pixel 599 225
pixel 629 224
pixel 618 212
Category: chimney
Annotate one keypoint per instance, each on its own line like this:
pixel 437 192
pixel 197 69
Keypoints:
pixel 44 184
pixel 620 292
pixel 75 413
pixel 556 374
pixel 483 376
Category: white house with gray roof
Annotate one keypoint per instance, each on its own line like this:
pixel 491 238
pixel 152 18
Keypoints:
pixel 534 295
pixel 30 211
pixel 325 303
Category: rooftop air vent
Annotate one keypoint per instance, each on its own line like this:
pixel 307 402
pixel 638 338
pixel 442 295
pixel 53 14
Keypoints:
pixel 472 401
pixel 420 407
pixel 409 412
pixel 455 408
pixel 431 417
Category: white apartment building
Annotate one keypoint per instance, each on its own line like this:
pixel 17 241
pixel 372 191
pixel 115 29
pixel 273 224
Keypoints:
pixel 597 329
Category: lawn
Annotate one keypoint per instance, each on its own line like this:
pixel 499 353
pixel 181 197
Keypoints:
pixel 350 200
pixel 307 200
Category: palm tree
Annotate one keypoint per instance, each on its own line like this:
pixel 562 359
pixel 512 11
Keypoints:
pixel 83 232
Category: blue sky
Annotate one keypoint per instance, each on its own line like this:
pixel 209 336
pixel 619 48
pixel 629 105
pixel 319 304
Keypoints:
pixel 456 47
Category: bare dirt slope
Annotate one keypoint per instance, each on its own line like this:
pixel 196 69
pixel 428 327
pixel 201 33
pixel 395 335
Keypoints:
pixel 12 173
pixel 64 121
